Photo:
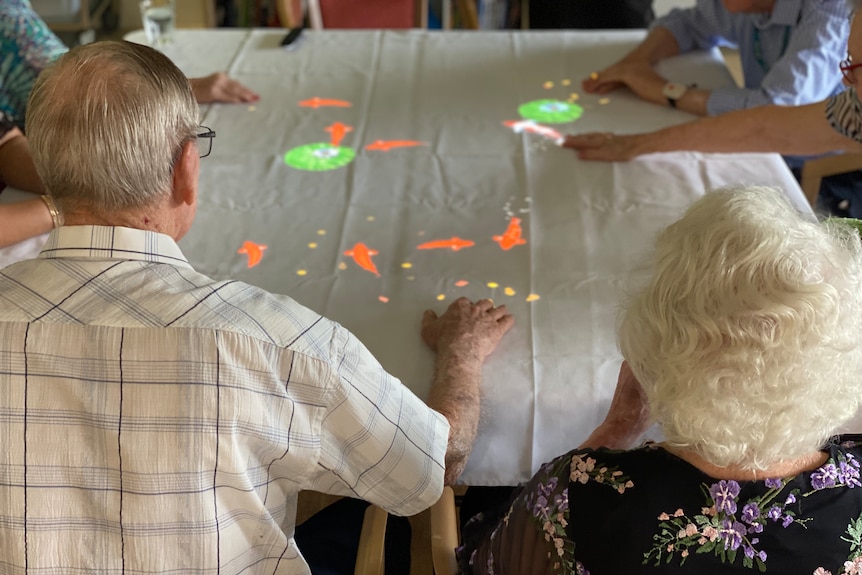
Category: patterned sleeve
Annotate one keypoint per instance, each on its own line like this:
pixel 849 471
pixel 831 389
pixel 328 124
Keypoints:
pixel 844 113
pixel 379 441
pixel 531 537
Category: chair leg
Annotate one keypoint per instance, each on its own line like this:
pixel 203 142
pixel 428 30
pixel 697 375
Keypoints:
pixel 444 534
pixel 369 558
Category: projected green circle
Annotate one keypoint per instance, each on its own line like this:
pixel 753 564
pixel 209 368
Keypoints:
pixel 319 157
pixel 550 111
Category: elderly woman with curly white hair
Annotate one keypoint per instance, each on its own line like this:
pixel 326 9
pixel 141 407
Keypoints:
pixel 746 349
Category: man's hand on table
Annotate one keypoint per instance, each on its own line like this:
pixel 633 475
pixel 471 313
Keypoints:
pixel 466 329
pixel 637 75
pixel 463 337
pixel 219 87
pixel 628 417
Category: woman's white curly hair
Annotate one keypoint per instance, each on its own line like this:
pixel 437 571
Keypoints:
pixel 748 339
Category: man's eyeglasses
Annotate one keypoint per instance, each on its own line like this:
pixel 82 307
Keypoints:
pixel 205 146
pixel 847 66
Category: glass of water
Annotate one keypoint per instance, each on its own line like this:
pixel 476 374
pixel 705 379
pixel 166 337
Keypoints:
pixel 158 19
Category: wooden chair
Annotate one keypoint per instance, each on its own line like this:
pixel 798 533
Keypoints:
pixel 370 558
pixel 814 170
pixel 444 534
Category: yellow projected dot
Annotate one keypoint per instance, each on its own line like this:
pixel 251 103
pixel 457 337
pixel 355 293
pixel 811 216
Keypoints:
pixel 441 297
pixel 321 232
pixel 603 101
pixel 370 218
pixel 406 265
pixel 411 278
pixel 532 297
pixel 384 299
pixel 509 291
pixel 574 96
pixel 548 85
pixel 301 272
pixel 566 82
pixel 252 108
pixel 493 285
pixel 312 245
pixel 594 76
pixel 342 266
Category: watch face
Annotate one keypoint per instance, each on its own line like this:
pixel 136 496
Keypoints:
pixel 674 91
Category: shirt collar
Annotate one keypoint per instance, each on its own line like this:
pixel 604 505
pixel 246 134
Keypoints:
pixel 106 242
pixel 784 13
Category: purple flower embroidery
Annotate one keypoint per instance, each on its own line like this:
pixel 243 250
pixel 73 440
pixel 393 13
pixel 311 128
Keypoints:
pixel 824 477
pixel 762 556
pixel 773 483
pixel 788 519
pixel 756 528
pixel 849 474
pixel 750 512
pixel 774 513
pixel 724 495
pixel 732 532
pixel 790 499
pixel 749 551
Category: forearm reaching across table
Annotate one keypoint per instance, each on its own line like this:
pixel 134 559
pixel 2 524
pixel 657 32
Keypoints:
pixel 463 338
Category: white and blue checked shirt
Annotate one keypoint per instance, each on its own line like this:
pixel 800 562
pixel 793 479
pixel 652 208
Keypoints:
pixel 153 420
pixel 789 57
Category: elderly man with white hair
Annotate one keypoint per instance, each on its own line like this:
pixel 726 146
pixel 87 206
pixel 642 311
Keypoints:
pixel 745 347
pixel 157 421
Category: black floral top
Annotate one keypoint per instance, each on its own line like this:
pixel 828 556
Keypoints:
pixel 647 511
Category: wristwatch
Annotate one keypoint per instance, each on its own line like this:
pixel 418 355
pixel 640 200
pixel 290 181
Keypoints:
pixel 673 92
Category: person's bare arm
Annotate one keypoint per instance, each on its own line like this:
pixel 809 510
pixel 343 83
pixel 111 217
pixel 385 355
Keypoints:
pixel 628 416
pixel 16 163
pixel 23 220
pixel 795 130
pixel 219 87
pixel 463 337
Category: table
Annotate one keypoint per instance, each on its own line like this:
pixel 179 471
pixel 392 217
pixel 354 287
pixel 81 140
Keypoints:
pixel 453 171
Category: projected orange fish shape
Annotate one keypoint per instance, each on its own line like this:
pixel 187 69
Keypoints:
pixel 337 132
pixel 512 236
pixel 324 103
pixel 455 244
pixel 253 251
pixel 532 127
pixel 388 145
pixel 362 256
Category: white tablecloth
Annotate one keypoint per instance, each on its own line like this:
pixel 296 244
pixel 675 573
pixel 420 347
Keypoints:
pixel 587 226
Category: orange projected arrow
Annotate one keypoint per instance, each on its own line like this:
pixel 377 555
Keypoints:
pixel 253 251
pixel 362 256
pixel 387 145
pixel 512 236
pixel 454 244
pixel 337 132
pixel 324 102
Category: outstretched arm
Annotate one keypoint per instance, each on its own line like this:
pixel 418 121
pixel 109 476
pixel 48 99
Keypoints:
pixel 463 337
pixel 16 163
pixel 219 87
pixel 798 130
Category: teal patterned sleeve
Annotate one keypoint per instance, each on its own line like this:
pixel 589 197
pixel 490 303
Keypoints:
pixel 531 537
pixel 27 46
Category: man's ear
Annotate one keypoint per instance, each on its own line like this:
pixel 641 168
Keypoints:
pixel 185 174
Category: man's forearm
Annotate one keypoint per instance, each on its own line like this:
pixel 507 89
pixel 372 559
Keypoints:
pixel 455 393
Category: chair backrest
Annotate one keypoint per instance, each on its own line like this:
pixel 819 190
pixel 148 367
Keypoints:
pixel 367 13
pixel 815 169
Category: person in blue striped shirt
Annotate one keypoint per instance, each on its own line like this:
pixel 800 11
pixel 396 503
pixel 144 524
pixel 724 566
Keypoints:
pixel 789 50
